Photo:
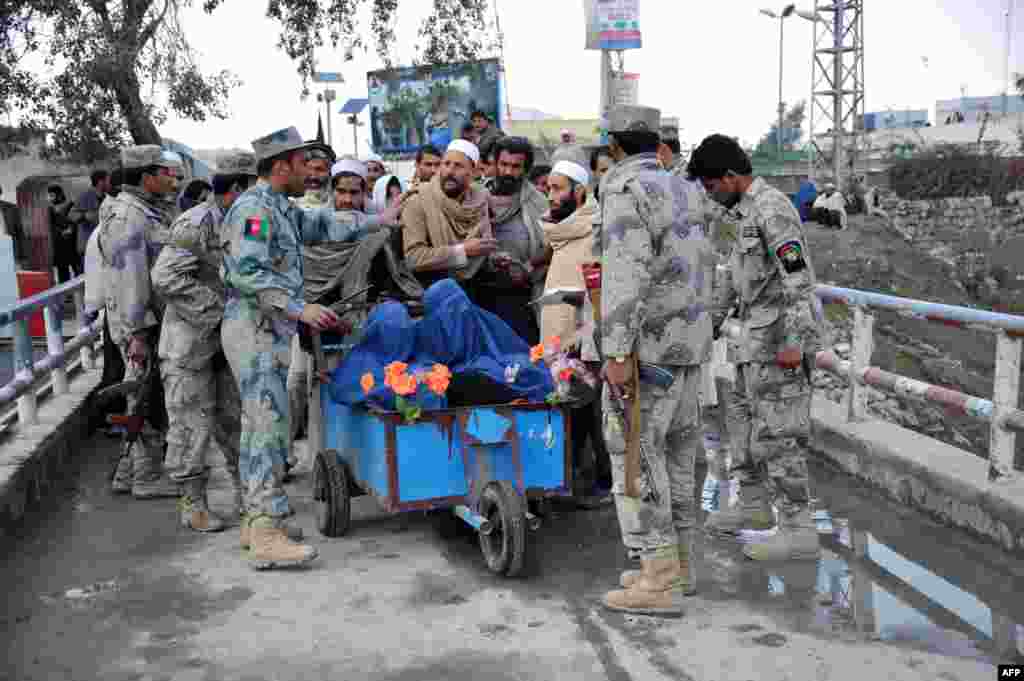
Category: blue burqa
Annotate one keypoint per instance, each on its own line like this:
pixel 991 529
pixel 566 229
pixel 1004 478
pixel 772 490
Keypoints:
pixel 805 199
pixel 477 347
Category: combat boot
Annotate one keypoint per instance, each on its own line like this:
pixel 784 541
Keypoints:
pixel 658 591
pixel 797 538
pixel 194 509
pixel 753 511
pixel 271 548
pixel 294 533
pixel 687 579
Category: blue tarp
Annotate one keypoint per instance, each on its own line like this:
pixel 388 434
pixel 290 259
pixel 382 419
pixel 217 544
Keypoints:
pixel 804 199
pixel 473 343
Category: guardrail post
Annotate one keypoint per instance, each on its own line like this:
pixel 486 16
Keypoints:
pixel 88 362
pixel 862 347
pixel 53 316
pixel 23 370
pixel 1002 441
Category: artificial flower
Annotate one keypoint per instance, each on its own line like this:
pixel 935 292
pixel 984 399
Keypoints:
pixel 367 383
pixel 537 352
pixel 404 384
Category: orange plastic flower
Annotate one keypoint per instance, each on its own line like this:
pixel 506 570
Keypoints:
pixel 441 370
pixel 394 371
pixel 555 343
pixel 404 384
pixel 564 375
pixel 537 353
pixel 438 383
pixel 367 382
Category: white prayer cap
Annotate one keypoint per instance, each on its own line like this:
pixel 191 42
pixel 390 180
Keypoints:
pixel 468 149
pixel 573 171
pixel 349 165
pixel 373 157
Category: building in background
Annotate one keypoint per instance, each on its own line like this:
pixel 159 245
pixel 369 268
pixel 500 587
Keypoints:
pixel 973 109
pixel 894 120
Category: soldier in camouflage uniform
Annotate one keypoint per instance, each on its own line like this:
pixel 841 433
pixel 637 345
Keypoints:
pixel 128 244
pixel 656 285
pixel 203 405
pixel 768 411
pixel 264 233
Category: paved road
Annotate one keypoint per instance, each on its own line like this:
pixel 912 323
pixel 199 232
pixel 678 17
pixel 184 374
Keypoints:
pixel 104 587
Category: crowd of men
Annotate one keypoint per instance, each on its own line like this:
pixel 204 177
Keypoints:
pixel 210 298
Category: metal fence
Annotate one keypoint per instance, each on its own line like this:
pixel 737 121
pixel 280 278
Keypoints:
pixel 1001 412
pixel 33 380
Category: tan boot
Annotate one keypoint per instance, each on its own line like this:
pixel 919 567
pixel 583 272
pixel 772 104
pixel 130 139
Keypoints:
pixel 194 510
pixel 294 533
pixel 752 512
pixel 687 579
pixel 797 538
pixel 658 591
pixel 271 548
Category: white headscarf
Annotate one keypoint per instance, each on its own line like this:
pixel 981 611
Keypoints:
pixel 380 192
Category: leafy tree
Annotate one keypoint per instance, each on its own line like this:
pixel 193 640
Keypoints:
pixel 117 69
pixel 792 131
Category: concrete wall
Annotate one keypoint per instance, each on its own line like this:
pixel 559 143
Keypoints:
pixel 939 480
pixel 32 457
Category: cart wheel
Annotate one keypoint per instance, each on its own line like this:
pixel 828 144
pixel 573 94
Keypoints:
pixel 331 494
pixel 505 547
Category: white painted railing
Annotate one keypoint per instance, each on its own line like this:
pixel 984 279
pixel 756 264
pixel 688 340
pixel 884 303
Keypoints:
pixel 52 370
pixel 1001 413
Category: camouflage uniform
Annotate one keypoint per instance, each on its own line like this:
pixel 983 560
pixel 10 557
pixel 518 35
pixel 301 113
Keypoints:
pixel 656 285
pixel 128 246
pixel 263 233
pixel 202 397
pixel 768 415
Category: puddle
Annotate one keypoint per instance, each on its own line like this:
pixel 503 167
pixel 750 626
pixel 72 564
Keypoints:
pixel 886 574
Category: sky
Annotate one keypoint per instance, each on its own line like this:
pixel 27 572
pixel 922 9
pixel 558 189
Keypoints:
pixel 713 65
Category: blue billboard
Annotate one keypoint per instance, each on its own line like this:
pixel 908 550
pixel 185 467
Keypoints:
pixel 413 106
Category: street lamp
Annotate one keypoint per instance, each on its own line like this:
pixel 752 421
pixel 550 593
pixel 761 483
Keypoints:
pixel 786 12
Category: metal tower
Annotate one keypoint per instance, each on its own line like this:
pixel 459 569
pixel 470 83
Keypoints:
pixel 837 89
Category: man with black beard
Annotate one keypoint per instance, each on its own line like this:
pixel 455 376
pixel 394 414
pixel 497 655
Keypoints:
pixel 515 274
pixel 446 226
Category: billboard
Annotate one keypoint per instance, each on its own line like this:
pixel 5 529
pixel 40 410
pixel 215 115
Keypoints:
pixel 625 89
pixel 612 24
pixel 413 106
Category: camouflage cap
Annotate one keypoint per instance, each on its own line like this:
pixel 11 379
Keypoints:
pixel 146 155
pixel 634 119
pixel 237 163
pixel 282 142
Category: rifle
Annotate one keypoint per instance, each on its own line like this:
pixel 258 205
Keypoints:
pixel 137 393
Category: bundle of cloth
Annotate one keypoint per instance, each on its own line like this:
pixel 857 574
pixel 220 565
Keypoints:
pixel 489 363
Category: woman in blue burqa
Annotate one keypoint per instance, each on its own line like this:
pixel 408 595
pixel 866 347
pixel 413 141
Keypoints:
pixel 490 364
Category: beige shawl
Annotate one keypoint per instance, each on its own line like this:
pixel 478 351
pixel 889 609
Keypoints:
pixel 572 242
pixel 433 224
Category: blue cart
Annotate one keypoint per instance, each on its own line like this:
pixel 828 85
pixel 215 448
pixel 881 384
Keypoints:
pixel 483 463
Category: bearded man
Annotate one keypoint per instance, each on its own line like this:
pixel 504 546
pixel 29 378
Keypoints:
pixel 515 274
pixel 446 226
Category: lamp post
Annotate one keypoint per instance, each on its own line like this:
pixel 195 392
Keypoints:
pixel 781 16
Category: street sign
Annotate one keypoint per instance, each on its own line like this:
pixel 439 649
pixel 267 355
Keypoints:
pixel 625 89
pixel 612 24
pixel 327 77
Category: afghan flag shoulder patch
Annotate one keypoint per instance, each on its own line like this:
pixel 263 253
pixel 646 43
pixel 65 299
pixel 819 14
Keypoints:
pixel 791 255
pixel 257 228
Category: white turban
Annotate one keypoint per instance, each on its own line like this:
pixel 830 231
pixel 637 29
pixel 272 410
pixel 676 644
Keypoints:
pixel 349 165
pixel 470 150
pixel 573 171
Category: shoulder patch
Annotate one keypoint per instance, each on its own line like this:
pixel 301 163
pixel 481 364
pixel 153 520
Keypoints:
pixel 257 228
pixel 791 255
pixel 751 230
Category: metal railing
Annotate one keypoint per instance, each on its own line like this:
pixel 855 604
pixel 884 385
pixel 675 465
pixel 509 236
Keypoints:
pixel 1001 413
pixel 52 370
